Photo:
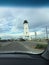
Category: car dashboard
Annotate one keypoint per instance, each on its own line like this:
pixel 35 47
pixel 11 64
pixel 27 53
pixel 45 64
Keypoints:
pixel 22 59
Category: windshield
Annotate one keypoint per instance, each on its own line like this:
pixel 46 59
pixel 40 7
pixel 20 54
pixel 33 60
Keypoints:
pixel 24 29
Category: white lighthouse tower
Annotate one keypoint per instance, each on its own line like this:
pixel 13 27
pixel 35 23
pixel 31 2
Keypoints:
pixel 26 30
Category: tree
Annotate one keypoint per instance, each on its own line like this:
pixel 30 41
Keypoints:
pixel 0 38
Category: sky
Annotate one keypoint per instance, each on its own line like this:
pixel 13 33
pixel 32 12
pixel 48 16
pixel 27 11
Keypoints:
pixel 24 3
pixel 13 13
pixel 12 18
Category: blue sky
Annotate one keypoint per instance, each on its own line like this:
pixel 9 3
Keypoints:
pixel 24 3
pixel 12 18
pixel 14 12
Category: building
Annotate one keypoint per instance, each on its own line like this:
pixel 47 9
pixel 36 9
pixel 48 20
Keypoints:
pixel 26 29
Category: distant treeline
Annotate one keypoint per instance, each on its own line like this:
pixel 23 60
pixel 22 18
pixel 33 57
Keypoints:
pixel 20 39
pixel 5 40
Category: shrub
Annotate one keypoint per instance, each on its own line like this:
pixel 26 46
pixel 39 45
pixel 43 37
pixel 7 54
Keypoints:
pixel 41 46
pixel 21 39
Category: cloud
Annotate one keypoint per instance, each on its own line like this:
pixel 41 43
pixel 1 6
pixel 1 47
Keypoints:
pixel 11 19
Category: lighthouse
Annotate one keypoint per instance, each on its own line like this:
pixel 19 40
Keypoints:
pixel 26 29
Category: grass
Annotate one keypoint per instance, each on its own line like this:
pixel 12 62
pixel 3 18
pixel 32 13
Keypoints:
pixel 39 42
pixel 40 46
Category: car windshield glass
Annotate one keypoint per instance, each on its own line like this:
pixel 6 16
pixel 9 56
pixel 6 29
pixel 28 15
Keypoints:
pixel 24 29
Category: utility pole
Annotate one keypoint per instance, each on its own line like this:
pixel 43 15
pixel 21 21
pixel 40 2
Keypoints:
pixel 46 33
pixel 35 35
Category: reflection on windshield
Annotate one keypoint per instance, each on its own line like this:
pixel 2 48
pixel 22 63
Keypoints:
pixel 24 29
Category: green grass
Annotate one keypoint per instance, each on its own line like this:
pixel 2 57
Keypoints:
pixel 41 46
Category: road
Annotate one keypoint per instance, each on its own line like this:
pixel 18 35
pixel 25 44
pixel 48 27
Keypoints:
pixel 13 46
pixel 19 46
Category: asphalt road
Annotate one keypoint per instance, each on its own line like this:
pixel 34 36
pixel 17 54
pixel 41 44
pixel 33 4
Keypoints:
pixel 19 46
pixel 13 46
